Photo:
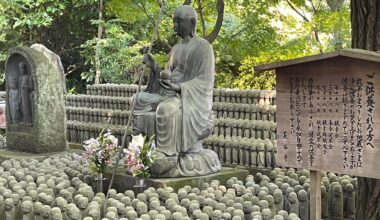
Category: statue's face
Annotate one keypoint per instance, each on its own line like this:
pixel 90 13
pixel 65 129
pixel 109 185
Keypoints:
pixel 94 213
pixel 277 198
pixel 181 25
pixel 22 68
pixel 56 215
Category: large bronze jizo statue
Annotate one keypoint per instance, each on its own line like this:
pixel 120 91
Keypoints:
pixel 177 105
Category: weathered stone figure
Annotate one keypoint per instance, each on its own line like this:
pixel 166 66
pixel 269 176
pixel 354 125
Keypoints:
pixel 9 209
pixel 177 103
pixel 27 210
pixel 14 101
pixel 278 200
pixel 349 202
pixel 303 205
pixel 26 88
pixel 336 206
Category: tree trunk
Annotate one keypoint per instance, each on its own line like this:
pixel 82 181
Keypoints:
pixel 365 22
pixel 100 32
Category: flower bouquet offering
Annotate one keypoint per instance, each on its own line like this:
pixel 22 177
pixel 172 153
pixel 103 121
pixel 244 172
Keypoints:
pixel 140 155
pixel 98 152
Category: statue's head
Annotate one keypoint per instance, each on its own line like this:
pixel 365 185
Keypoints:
pixel 23 68
pixel 9 204
pixel 26 206
pixel 56 213
pixel 266 213
pixel 278 197
pixel 185 21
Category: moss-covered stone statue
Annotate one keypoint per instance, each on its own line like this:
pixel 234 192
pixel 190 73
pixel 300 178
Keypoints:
pixel 177 103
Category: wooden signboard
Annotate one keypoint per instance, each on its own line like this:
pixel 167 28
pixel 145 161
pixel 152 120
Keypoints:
pixel 328 112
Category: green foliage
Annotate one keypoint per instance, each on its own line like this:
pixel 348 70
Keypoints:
pixel 61 25
pixel 254 32
pixel 257 32
pixel 119 55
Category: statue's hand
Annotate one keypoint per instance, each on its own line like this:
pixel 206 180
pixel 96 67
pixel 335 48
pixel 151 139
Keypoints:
pixel 149 60
pixel 170 86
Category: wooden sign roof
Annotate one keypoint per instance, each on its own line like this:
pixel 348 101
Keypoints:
pixel 352 53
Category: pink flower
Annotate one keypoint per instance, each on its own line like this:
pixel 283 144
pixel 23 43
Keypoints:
pixel 136 167
pixel 131 160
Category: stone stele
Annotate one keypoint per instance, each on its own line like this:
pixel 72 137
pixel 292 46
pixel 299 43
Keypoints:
pixel 35 103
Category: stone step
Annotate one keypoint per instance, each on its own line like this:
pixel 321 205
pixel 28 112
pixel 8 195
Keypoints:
pixel 100 102
pixel 95 115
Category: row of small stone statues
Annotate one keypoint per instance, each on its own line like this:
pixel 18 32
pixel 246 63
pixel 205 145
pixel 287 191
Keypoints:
pixel 78 131
pixel 55 189
pixel 221 109
pixel 99 102
pixel 116 90
pixel 243 120
pixel 245 111
pixel 85 118
pixel 220 95
pixel 246 152
pixel 258 129
pixel 83 114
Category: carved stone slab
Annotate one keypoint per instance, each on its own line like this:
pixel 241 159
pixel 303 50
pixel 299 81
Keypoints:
pixel 35 103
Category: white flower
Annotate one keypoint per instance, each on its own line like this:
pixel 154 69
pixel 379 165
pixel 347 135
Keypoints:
pixel 77 157
pixel 92 141
pixel 138 140
pixel 113 139
pixel 153 145
pixel 134 148
pixel 108 133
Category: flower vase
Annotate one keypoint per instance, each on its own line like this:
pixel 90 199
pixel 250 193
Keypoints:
pixel 140 182
pixel 140 185
pixel 99 182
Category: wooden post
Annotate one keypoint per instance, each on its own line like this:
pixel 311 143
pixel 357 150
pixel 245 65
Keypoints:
pixel 315 195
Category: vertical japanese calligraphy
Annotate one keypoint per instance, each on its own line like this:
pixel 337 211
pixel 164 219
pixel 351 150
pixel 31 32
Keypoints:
pixel 328 118
pixel 328 112
pixel 370 103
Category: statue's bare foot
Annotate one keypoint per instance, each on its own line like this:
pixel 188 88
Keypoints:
pixel 164 164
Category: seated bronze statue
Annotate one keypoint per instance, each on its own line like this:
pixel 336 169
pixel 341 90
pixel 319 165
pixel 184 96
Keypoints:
pixel 176 105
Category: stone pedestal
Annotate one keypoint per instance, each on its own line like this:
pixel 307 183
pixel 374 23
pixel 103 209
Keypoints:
pixel 36 117
pixel 123 181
